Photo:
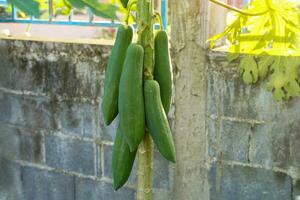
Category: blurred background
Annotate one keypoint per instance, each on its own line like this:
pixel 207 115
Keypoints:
pixel 56 12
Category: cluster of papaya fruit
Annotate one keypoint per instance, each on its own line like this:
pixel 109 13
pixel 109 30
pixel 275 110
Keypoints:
pixel 140 103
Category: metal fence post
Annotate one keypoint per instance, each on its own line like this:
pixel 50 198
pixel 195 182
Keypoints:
pixel 164 13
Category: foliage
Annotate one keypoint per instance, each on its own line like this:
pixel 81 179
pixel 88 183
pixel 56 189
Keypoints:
pixel 100 9
pixel 268 34
pixel 282 73
pixel 33 7
pixel 60 7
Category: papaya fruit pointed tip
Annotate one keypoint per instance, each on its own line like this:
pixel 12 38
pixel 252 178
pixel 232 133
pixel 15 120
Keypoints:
pixel 107 123
pixel 173 160
pixel 117 182
pixel 116 185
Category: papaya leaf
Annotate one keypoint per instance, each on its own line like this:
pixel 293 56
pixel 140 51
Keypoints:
pixel 232 57
pixel 276 84
pixel 248 67
pixel 30 7
pixel 105 10
pixel 124 3
pixel 293 89
pixel 279 94
pixel 291 71
pixel 272 31
pixel 77 4
pixel 263 66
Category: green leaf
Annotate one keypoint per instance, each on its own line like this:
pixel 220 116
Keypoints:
pixel 270 32
pixel 248 67
pixel 293 89
pixel 278 65
pixel 274 37
pixel 279 94
pixel 30 7
pixel 232 57
pixel 124 3
pixel 100 9
pixel 77 4
pixel 263 65
pixel 276 84
pixel 278 81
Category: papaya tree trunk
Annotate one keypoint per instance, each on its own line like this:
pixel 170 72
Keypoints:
pixel 145 12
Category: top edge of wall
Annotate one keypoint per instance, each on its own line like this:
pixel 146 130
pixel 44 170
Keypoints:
pixel 58 40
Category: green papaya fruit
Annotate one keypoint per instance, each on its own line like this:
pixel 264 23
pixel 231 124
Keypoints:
pixel 131 98
pixel 157 121
pixel 163 68
pixel 113 73
pixel 122 160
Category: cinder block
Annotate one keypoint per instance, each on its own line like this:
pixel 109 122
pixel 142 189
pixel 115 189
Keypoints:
pixel 91 121
pixel 213 136
pixel 5 107
pixel 296 190
pixel 80 119
pixel 229 140
pixel 94 190
pixel 71 117
pixel 10 181
pixel 248 183
pixel 31 146
pixel 40 184
pixel 32 112
pixel 9 143
pixel 20 144
pixel 277 142
pixel 70 154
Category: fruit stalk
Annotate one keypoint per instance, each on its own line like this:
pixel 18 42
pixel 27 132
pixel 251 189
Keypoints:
pixel 145 20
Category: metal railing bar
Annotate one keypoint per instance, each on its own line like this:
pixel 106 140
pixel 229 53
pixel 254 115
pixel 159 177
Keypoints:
pixel 164 13
pixel 13 11
pixel 70 21
pixel 74 23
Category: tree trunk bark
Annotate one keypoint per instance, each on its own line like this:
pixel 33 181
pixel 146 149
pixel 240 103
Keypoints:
pixel 189 33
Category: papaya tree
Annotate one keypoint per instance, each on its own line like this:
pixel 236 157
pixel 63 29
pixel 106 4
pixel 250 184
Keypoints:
pixel 138 88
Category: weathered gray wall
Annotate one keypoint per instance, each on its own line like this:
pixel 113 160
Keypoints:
pixel 234 142
pixel 253 141
pixel 53 142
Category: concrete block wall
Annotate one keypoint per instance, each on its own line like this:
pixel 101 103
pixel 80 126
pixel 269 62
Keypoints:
pixel 54 145
pixel 253 141
pixel 53 142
